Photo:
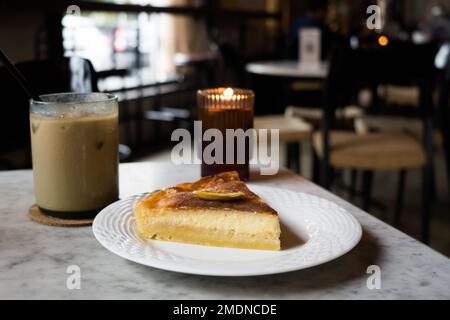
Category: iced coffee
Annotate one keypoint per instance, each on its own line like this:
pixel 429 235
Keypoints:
pixel 74 141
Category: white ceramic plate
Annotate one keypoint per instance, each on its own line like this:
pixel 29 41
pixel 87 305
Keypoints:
pixel 314 231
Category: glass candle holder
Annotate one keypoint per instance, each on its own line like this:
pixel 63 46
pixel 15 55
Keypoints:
pixel 222 109
pixel 74 139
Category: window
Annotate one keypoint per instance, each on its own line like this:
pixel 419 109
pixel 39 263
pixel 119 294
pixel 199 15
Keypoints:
pixel 138 42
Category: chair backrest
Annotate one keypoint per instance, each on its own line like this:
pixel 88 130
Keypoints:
pixel 443 118
pixel 46 76
pixel 444 85
pixel 354 69
pixel 399 63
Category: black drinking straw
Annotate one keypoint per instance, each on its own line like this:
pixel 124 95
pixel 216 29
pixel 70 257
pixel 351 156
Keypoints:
pixel 19 77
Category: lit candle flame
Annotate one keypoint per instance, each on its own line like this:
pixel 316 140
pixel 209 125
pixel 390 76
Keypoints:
pixel 383 41
pixel 228 92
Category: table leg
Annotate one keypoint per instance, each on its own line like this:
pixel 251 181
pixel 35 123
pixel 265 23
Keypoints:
pixel 446 136
pixel 367 189
pixel 293 156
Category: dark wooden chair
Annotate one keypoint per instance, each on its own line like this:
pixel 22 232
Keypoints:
pixel 352 70
pixel 444 113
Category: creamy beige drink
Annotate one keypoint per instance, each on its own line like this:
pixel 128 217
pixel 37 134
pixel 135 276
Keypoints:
pixel 75 158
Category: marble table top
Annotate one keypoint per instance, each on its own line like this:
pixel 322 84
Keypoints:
pixel 289 69
pixel 35 258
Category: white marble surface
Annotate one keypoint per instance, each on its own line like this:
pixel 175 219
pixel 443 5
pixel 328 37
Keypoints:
pixel 289 69
pixel 34 258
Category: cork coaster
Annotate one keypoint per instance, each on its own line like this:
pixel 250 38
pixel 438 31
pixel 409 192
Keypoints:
pixel 36 215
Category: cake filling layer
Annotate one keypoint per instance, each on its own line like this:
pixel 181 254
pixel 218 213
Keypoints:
pixel 209 237
pixel 238 222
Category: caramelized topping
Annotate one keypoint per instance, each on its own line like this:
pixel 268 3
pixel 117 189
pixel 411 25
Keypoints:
pixel 218 195
pixel 224 191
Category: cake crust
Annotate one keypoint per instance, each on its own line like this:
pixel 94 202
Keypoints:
pixel 181 197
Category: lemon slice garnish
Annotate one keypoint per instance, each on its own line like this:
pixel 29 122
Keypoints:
pixel 218 195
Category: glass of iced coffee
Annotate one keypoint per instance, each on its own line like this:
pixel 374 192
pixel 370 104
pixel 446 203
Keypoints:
pixel 74 138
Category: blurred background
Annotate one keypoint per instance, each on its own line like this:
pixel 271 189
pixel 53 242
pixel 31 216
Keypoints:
pixel 383 145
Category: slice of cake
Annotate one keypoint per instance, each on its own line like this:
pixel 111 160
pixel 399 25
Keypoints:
pixel 214 211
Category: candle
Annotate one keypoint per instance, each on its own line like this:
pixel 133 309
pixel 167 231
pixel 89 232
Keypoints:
pixel 222 109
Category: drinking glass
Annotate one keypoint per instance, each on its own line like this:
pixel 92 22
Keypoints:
pixel 74 139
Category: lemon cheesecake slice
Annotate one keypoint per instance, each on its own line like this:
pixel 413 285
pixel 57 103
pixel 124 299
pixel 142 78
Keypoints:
pixel 217 210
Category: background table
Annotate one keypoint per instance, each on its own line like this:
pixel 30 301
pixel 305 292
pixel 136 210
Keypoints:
pixel 288 69
pixel 285 73
pixel 34 258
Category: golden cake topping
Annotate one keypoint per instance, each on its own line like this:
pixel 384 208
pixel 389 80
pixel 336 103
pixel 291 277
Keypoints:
pixel 219 195
pixel 228 186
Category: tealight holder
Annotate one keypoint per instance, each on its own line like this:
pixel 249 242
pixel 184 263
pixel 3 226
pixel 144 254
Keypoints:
pixel 226 150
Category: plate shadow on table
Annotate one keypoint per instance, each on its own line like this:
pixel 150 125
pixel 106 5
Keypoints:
pixel 350 267
pixel 289 239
